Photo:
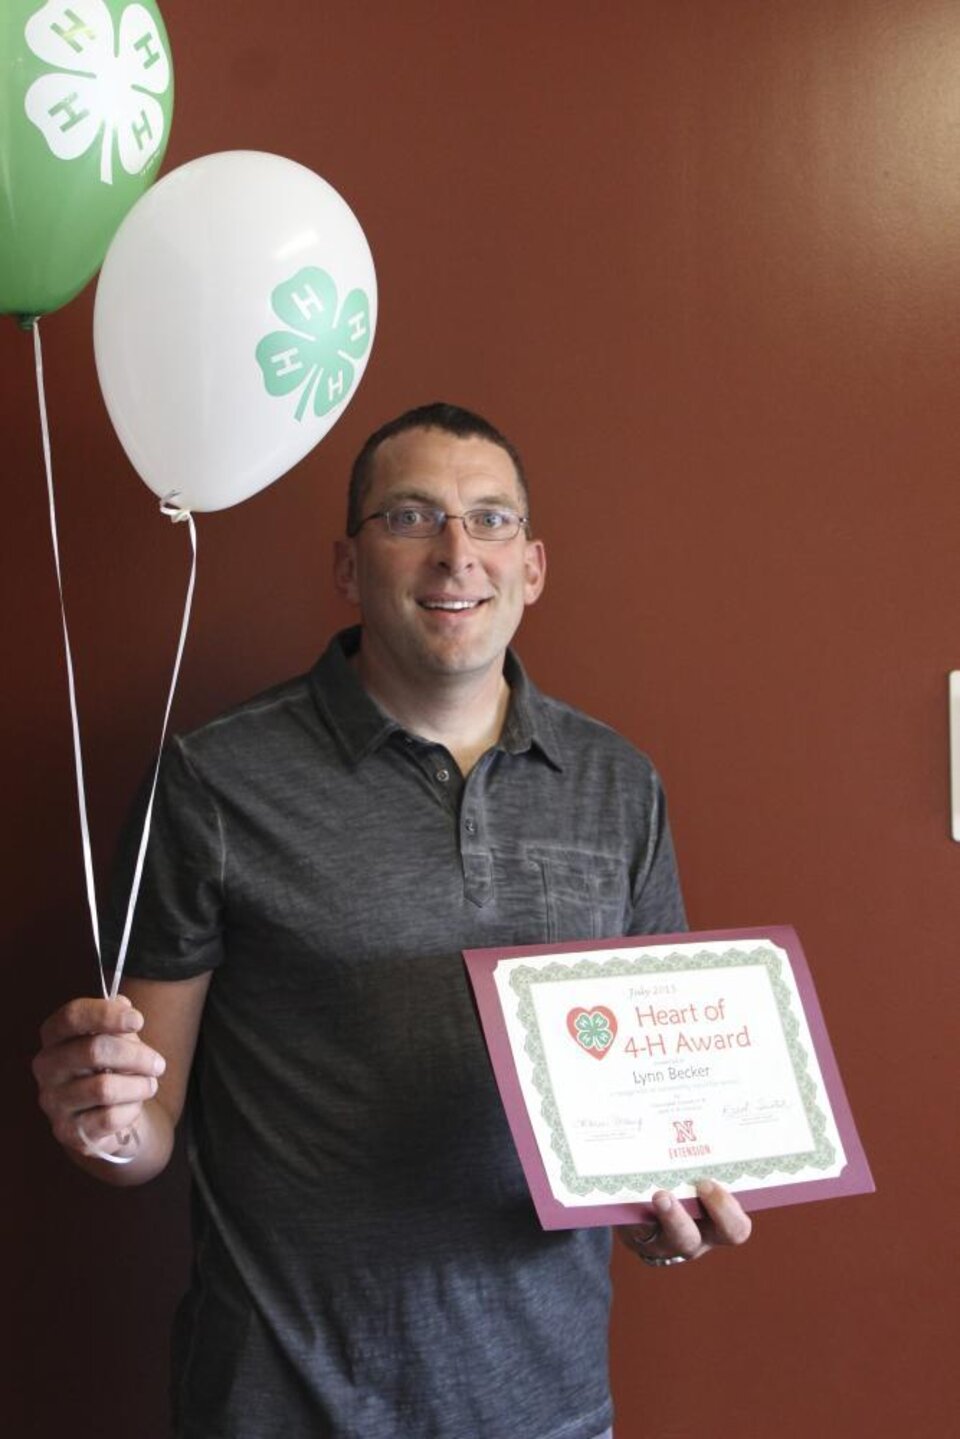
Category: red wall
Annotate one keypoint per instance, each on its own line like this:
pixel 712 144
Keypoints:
pixel 703 261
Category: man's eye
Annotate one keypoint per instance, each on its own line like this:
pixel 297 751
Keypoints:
pixel 491 519
pixel 408 519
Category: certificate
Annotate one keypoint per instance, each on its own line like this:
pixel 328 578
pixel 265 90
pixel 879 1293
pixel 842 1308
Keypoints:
pixel 651 1062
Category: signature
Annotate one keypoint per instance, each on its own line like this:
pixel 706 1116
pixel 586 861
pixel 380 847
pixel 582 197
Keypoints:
pixel 610 1123
pixel 756 1109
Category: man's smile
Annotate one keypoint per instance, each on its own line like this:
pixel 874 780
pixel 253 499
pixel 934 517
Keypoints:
pixel 450 604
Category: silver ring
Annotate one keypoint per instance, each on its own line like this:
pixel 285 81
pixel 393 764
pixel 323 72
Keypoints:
pixel 655 1233
pixel 656 1263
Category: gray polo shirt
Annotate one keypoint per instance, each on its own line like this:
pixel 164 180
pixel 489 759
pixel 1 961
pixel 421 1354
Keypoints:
pixel 368 1264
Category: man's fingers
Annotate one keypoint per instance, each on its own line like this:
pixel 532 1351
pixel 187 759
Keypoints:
pixel 62 1063
pixel 671 1233
pixel 676 1235
pixel 94 1094
pixel 90 1128
pixel 727 1222
pixel 90 1016
pixel 105 1091
pixel 679 1233
pixel 94 1073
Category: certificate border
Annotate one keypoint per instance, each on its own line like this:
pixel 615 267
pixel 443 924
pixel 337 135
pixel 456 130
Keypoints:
pixel 820 1156
pixel 855 1178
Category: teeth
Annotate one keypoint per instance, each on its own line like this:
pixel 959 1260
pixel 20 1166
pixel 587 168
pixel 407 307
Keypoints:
pixel 450 604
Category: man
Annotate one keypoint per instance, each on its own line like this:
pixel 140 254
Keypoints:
pixel 368 1264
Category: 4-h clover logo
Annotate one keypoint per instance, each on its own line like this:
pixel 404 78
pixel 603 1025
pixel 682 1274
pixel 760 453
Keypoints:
pixel 103 83
pixel 318 350
pixel 593 1030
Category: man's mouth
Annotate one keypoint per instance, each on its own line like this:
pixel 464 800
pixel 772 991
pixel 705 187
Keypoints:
pixel 454 605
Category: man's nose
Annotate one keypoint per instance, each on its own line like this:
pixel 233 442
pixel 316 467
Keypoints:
pixel 454 548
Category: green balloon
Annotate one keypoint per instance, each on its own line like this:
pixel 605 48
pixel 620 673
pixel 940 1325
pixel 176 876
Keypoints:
pixel 86 100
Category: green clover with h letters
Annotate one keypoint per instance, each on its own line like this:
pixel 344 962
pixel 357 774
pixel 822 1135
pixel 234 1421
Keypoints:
pixel 316 353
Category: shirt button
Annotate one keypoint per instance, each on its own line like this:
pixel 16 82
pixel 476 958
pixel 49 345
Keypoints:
pixel 443 775
pixel 471 826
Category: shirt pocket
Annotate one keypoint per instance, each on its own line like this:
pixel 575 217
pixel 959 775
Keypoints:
pixel 586 895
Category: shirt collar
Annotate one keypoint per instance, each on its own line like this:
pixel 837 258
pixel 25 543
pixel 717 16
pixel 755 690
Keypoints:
pixel 529 723
pixel 357 724
pixel 360 727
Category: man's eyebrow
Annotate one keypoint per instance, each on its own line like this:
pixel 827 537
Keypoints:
pixel 498 501
pixel 420 497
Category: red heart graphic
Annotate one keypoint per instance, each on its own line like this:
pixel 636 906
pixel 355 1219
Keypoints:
pixel 593 1030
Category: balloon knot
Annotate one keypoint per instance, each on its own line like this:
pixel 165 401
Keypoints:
pixel 168 507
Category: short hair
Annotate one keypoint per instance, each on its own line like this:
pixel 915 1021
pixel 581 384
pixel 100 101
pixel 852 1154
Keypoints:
pixel 452 419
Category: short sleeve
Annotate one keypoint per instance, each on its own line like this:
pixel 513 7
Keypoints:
pixel 177 926
pixel 657 898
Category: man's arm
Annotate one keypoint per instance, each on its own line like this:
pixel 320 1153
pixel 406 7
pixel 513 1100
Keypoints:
pixel 112 1074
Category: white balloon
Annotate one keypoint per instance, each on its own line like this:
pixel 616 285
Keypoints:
pixel 234 318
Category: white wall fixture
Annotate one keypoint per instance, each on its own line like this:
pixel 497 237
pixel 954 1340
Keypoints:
pixel 955 752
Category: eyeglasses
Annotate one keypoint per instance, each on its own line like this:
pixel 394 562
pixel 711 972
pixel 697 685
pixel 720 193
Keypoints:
pixel 422 522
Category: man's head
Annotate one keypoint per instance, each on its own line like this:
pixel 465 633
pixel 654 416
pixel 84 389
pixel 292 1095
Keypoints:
pixel 451 420
pixel 440 591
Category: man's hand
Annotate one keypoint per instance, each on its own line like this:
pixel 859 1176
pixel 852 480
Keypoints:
pixel 674 1235
pixel 94 1075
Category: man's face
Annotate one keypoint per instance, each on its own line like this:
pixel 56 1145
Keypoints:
pixel 449 604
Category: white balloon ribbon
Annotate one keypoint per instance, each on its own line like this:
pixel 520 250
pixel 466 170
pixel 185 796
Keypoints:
pixel 169 507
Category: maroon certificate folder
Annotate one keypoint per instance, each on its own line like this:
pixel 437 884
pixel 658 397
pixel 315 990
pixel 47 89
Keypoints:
pixel 631 1065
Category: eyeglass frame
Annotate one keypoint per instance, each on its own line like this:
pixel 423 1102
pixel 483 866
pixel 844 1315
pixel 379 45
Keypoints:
pixel 442 516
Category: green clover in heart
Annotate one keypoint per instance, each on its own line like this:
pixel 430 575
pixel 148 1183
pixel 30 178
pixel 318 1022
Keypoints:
pixel 318 350
pixel 593 1030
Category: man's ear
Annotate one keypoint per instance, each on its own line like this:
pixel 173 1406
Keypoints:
pixel 345 570
pixel 534 571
